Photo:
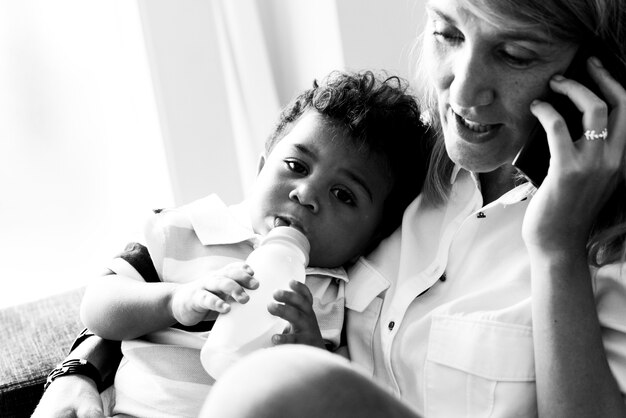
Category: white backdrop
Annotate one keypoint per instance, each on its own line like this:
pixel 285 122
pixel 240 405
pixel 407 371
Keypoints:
pixel 111 108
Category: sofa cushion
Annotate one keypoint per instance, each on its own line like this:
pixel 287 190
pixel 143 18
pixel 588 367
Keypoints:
pixel 36 337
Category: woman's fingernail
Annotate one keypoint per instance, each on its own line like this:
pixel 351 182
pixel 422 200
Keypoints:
pixel 254 283
pixel 595 61
pixel 558 77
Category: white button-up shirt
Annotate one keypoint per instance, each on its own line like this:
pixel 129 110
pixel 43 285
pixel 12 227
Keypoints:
pixel 441 313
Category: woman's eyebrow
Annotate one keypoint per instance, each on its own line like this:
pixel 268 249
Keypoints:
pixel 507 35
pixel 432 9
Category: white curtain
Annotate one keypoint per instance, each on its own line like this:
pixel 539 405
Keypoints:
pixel 112 107
pixel 261 41
pixel 222 70
pixel 252 97
pixel 81 156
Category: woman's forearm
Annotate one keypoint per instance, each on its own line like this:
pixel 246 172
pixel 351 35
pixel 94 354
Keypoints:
pixel 121 308
pixel 572 371
pixel 104 354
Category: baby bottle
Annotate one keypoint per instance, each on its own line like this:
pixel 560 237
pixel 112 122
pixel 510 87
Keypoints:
pixel 282 256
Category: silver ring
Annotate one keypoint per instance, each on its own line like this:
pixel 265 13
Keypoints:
pixel 591 135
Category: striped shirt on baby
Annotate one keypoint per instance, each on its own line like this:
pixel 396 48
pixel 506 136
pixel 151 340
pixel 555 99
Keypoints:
pixel 161 374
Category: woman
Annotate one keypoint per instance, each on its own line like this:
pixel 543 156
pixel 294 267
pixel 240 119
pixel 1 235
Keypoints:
pixel 440 315
pixel 464 345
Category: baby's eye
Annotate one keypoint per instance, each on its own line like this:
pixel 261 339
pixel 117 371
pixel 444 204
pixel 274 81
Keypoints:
pixel 296 166
pixel 344 196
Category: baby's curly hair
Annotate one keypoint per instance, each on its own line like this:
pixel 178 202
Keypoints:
pixel 381 117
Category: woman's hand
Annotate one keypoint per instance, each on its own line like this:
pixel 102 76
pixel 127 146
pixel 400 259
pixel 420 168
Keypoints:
pixel 573 377
pixel 72 396
pixel 296 307
pixel 582 173
pixel 195 301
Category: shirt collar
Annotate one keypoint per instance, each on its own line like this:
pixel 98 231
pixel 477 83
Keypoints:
pixel 215 223
pixel 515 195
pixel 338 273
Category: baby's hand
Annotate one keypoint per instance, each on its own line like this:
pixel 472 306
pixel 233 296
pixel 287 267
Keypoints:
pixel 296 307
pixel 193 302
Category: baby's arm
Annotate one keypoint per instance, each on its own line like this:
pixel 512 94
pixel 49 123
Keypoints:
pixel 296 307
pixel 123 308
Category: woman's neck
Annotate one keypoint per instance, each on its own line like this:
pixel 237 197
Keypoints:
pixel 496 183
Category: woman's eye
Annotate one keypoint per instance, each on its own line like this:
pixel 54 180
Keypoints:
pixel 516 60
pixel 344 196
pixel 517 57
pixel 296 167
pixel 448 36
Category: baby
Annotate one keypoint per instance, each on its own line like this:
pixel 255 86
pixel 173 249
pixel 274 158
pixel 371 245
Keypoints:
pixel 344 161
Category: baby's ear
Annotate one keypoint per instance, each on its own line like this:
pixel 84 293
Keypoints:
pixel 261 163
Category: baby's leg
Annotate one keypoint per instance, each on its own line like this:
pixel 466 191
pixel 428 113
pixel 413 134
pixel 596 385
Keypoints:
pixel 299 381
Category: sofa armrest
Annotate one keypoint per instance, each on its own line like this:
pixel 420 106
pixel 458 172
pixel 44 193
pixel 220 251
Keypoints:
pixel 36 337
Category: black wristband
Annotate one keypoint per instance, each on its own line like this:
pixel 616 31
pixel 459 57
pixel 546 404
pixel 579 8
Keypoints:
pixel 84 334
pixel 75 366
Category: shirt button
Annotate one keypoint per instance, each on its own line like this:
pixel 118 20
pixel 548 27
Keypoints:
pixel 391 325
pixel 443 277
pixel 481 215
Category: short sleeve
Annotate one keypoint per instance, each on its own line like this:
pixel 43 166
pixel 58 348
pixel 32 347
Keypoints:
pixel 134 262
pixel 328 305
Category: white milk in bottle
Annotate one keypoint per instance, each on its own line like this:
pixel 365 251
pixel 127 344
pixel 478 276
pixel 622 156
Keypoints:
pixel 282 256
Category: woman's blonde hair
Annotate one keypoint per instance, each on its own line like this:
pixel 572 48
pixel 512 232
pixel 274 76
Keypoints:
pixel 600 26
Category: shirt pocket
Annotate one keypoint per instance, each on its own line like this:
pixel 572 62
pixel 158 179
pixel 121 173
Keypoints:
pixel 479 368
pixel 360 328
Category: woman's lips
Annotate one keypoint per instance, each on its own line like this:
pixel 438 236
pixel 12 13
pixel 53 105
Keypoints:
pixel 471 131
pixel 475 126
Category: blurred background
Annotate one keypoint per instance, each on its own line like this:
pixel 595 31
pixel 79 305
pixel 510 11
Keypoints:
pixel 109 109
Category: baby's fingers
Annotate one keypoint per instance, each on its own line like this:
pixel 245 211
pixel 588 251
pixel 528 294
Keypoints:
pixel 241 273
pixel 208 301
pixel 279 339
pixel 300 297
pixel 226 288
pixel 286 312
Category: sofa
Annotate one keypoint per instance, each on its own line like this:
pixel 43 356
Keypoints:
pixel 36 337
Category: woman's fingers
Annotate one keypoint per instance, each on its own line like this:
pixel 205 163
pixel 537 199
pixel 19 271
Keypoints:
pixel 559 138
pixel 613 91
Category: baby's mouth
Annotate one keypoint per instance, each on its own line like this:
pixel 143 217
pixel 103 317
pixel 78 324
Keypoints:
pixel 278 221
pixel 282 221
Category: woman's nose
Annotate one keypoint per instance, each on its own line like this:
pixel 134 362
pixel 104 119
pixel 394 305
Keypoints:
pixel 305 195
pixel 472 83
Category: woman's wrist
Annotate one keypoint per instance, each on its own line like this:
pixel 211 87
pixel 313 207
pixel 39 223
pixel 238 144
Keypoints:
pixel 80 367
pixel 555 247
pixel 103 355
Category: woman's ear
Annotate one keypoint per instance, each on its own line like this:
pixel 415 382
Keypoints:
pixel 261 163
